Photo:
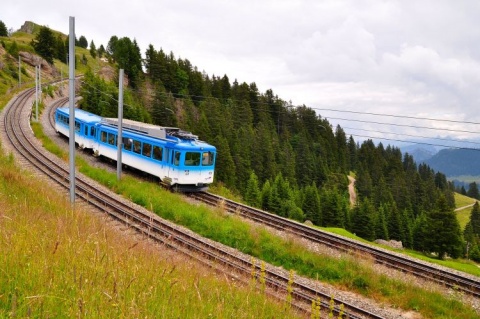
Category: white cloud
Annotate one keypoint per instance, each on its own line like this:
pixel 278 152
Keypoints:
pixel 416 58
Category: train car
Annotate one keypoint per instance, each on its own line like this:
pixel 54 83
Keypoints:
pixel 85 122
pixel 178 158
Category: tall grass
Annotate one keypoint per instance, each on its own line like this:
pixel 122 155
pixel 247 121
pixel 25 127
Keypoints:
pixel 59 263
pixel 347 272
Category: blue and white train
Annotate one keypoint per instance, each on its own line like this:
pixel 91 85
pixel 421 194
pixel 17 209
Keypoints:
pixel 177 157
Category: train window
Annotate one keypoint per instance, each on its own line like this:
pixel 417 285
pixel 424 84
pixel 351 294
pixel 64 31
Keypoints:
pixel 207 158
pixel 176 159
pixel 147 150
pixel 111 138
pixel 127 143
pixel 157 152
pixel 92 131
pixel 103 136
pixel 192 159
pixel 137 146
pixel 77 126
pixel 63 119
pixel 86 130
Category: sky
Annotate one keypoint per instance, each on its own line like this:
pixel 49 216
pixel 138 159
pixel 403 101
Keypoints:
pixel 348 60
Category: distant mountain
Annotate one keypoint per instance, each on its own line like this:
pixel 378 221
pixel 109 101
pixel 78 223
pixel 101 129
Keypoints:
pixel 456 162
pixel 419 152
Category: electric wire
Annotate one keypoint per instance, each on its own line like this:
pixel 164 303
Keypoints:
pixel 293 107
pixel 397 116
pixel 424 143
pixel 410 135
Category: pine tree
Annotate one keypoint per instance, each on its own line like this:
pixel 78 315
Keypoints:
pixel 93 49
pixel 3 29
pixel 225 167
pixel 381 229
pixel 44 44
pixel 266 194
pixel 60 49
pixel 101 51
pixel 420 233
pixel 311 204
pixel 82 42
pixel 473 191
pixel 252 194
pixel 472 230
pixel 364 220
pixel 444 235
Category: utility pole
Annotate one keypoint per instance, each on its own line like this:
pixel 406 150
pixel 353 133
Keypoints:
pixel 71 103
pixel 36 93
pixel 120 126
pixel 19 70
pixel 40 83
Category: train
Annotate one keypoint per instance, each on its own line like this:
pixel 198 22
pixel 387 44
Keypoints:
pixel 178 158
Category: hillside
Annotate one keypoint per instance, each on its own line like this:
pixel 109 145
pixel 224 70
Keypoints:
pixel 324 202
pixel 456 162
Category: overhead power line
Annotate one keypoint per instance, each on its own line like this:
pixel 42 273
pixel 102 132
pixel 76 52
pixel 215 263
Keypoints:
pixel 410 135
pixel 405 125
pixel 397 116
pixel 423 143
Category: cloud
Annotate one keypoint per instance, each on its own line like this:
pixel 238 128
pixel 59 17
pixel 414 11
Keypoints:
pixel 397 57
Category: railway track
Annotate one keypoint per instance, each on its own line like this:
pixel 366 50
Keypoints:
pixel 450 279
pixel 17 130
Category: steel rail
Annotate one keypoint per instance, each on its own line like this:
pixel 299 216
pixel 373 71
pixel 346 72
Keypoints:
pixel 155 228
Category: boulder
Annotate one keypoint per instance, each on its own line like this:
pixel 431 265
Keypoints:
pixel 33 60
pixel 27 27
pixel 392 243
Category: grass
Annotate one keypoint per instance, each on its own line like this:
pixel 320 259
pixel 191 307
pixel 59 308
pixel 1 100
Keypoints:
pixel 466 266
pixel 463 215
pixel 347 272
pixel 60 263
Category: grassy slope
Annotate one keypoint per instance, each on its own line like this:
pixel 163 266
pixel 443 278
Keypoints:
pixel 346 272
pixel 464 214
pixel 59 263
pixel 70 265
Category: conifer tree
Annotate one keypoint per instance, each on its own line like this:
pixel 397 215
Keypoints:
pixel 266 195
pixel 225 167
pixel 381 229
pixel 45 43
pixel 473 225
pixel 444 235
pixel 311 204
pixel 253 195
pixel 93 49
pixel 82 42
pixel 3 29
pixel 60 49
pixel 473 191
pixel 420 233
pixel 364 220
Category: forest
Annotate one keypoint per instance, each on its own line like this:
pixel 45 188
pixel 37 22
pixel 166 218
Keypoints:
pixel 286 159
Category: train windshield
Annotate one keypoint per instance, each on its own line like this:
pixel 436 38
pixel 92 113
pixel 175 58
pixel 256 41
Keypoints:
pixel 207 158
pixel 192 159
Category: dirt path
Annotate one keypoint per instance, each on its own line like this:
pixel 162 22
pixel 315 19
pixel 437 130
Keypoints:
pixel 351 191
pixel 463 207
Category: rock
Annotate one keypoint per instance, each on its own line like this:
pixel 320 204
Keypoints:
pixel 33 60
pixel 28 27
pixel 392 243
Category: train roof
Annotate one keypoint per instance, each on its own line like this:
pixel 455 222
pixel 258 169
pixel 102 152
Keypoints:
pixel 81 115
pixel 152 130
pixel 174 141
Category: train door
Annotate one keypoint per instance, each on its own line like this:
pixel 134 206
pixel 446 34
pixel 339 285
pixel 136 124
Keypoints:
pixel 169 167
